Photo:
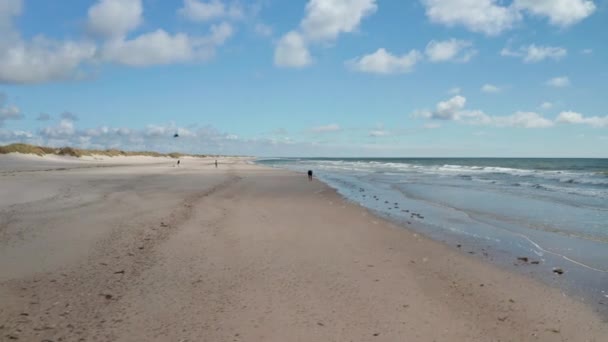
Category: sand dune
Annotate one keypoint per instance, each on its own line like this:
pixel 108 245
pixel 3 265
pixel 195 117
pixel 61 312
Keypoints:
pixel 140 250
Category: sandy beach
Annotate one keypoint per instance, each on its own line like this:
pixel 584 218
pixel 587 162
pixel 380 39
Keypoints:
pixel 136 249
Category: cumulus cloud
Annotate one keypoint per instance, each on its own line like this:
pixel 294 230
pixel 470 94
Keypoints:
pixel 11 136
pixel 153 137
pixel 560 12
pixel 546 105
pixel 558 82
pixel 323 22
pixel 533 53
pixel 8 112
pixel 43 60
pixel 263 30
pixel 8 10
pixel 202 11
pixel 383 62
pixel 454 91
pixel 326 19
pixel 114 18
pixel 450 50
pixel 43 117
pixel 69 116
pixel 326 129
pixel 64 130
pixel 160 47
pixel 450 109
pixel 577 118
pixel 492 17
pixel 490 88
pixel 432 125
pixel 377 133
pixel 291 51
pixel 454 109
pixel 522 119
pixel 483 16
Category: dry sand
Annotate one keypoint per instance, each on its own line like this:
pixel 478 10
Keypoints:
pixel 145 251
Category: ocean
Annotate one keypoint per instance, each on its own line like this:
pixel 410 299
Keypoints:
pixel 546 218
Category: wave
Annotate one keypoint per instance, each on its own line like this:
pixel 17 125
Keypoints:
pixel 587 183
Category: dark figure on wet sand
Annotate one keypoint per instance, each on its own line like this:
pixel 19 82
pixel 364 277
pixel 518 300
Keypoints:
pixel 178 161
pixel 310 175
pixel 216 164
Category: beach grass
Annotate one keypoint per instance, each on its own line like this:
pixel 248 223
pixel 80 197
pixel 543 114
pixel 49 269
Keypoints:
pixel 77 152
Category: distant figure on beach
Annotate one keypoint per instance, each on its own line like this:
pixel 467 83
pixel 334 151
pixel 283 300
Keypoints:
pixel 216 163
pixel 310 175
pixel 178 161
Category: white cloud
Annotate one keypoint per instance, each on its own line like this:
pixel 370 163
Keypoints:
pixel 490 88
pixel 69 116
pixel 8 10
pixel 291 51
pixel 160 47
pixel 202 140
pixel 43 117
pixel 533 53
pixel 64 130
pixel 587 51
pixel 8 112
pixel 454 91
pixel 522 119
pixel 326 19
pixel 11 136
pixel 377 133
pixel 43 60
pixel 483 16
pixel 450 50
pixel 559 12
pixel 432 125
pixel 115 18
pixel 106 131
pixel 152 48
pixel 263 30
pixel 558 82
pixel 201 11
pixel 383 62
pixel 546 105
pixel 323 22
pixel 577 118
pixel 453 109
pixel 327 129
pixel 493 17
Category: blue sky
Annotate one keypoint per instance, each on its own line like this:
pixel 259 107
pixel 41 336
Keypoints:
pixel 308 78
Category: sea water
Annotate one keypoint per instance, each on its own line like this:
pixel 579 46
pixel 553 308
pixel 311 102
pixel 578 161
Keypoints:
pixel 554 212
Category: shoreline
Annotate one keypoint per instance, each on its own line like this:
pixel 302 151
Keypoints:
pixel 512 250
pixel 248 253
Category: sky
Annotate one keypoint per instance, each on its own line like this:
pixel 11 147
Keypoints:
pixel 351 78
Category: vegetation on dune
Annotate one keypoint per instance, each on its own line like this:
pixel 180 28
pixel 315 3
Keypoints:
pixel 25 148
pixel 76 152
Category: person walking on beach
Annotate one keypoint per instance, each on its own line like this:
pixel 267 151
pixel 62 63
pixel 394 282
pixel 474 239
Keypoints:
pixel 310 175
pixel 216 163
pixel 178 161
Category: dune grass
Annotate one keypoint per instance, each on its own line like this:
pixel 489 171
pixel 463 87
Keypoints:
pixel 77 152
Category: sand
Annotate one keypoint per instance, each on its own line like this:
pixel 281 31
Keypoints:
pixel 145 251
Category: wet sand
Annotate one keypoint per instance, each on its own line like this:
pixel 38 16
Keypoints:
pixel 149 252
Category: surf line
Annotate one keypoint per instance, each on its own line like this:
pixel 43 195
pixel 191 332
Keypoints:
pixel 563 256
